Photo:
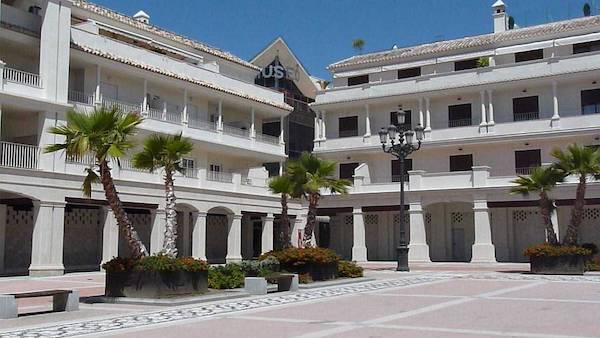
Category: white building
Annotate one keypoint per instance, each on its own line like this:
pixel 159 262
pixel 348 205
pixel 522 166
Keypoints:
pixel 484 124
pixel 59 54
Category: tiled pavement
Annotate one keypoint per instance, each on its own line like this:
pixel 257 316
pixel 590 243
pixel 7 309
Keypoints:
pixel 430 304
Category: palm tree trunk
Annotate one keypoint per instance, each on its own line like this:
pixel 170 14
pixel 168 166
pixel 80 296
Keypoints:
pixel 576 213
pixel 311 220
pixel 134 242
pixel 285 222
pixel 169 242
pixel 545 210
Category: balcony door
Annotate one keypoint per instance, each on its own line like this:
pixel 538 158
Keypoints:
pixel 590 101
pixel 526 108
pixel 347 170
pixel 459 115
pixel 348 126
pixel 526 160
pixel 408 166
pixel 407 120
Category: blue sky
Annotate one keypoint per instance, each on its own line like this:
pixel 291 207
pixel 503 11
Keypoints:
pixel 320 32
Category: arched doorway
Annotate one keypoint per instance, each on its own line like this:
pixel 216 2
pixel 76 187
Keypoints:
pixel 217 229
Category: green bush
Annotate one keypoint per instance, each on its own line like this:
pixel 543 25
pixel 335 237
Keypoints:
pixel 545 249
pixel 159 263
pixel 592 264
pixel 349 269
pixel 265 267
pixel 304 278
pixel 229 276
pixel 302 256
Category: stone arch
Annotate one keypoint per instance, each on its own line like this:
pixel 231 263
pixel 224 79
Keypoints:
pixel 450 232
pixel 218 221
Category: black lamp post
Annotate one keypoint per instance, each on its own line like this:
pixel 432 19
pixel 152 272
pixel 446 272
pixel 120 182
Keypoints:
pixel 399 143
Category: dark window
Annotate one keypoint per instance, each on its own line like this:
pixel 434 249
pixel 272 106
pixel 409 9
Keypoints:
pixel 357 80
pixel 526 108
pixel 590 101
pixel 525 160
pixel 459 115
pixel 461 162
pixel 408 166
pixel 271 128
pixel 348 126
pixel 407 120
pixel 347 170
pixel 409 72
pixel 272 168
pixel 591 46
pixel 465 64
pixel 529 55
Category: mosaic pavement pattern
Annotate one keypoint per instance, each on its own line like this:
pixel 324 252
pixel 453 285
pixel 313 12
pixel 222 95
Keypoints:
pixel 206 310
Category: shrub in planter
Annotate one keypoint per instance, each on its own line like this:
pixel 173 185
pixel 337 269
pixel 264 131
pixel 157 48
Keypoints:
pixel 265 267
pixel 229 276
pixel 592 264
pixel 349 269
pixel 557 259
pixel 155 276
pixel 319 263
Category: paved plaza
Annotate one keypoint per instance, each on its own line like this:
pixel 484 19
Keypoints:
pixel 435 300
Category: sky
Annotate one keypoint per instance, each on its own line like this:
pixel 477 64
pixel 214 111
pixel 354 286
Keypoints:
pixel 321 32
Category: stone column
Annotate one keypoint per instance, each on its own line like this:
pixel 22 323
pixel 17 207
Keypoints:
pixel 483 124
pixel 55 43
pixel 296 229
pixel 367 121
pixel 359 246
pixel 234 239
pixel 317 129
pixel 49 161
pixel 483 250
pixel 252 124
pixel 97 93
pixel 491 122
pixel 184 113
pixel 220 118
pixel 281 134
pixel 267 233
pixel 184 232
pixel 421 119
pixel 157 234
pixel 2 65
pixel 110 235
pixel 323 127
pixel 427 118
pixel 418 248
pixel 199 235
pixel 47 239
pixel 555 225
pixel 3 211
pixel 555 121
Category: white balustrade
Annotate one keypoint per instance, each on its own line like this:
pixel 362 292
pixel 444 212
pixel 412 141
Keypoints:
pixel 79 97
pixel 231 130
pixel 127 107
pixel 19 76
pixel 86 159
pixel 201 124
pixel 267 138
pixel 17 155
pixel 219 176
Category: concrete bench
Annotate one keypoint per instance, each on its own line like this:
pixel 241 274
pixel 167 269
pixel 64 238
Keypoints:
pixel 62 300
pixel 258 285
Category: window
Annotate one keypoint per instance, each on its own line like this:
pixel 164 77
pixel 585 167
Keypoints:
pixel 272 168
pixel 459 115
pixel 357 80
pixel 526 108
pixel 347 170
pixel 461 162
pixel 348 126
pixel 590 101
pixel 586 47
pixel 408 166
pixel 271 128
pixel 407 120
pixel 526 160
pixel 409 72
pixel 215 167
pixel 189 167
pixel 465 64
pixel 529 55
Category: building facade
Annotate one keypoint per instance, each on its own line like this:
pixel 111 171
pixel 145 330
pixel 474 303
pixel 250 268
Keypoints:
pixel 58 55
pixel 493 107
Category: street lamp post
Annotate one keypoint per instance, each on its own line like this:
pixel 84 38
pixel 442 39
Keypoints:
pixel 399 143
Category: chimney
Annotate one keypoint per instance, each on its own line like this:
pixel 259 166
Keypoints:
pixel 142 17
pixel 500 19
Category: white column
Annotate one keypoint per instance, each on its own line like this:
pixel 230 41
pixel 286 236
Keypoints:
pixel 184 113
pixel 297 227
pixel 2 64
pixel 267 233
pixel 234 239
pixel 483 124
pixel 164 111
pixel 184 232
pixel 199 235
pixel 110 235
pixel 98 94
pixel 483 250
pixel 3 211
pixel 427 118
pixel 323 127
pixel 282 127
pixel 491 121
pixel 55 44
pixel 281 168
pixel 555 226
pixel 47 239
pixel 359 246
pixel 367 121
pixel 317 127
pixel 157 233
pixel 421 120
pixel 145 98
pixel 252 124
pixel 418 248
pixel 0 109
pixel 220 119
pixel 555 122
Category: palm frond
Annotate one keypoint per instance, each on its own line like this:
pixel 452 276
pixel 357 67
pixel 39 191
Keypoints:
pixel 90 179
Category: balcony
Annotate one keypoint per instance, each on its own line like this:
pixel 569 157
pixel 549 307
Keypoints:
pixel 16 155
pixel 526 116
pixel 459 123
pixel 20 82
pixel 79 97
pixel 20 20
pixel 219 176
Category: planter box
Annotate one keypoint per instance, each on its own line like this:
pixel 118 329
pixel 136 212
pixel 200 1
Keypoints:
pixel 151 284
pixel 558 265
pixel 316 271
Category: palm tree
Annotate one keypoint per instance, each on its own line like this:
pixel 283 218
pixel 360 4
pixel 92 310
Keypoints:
pixel 309 175
pixel 584 163
pixel 358 45
pixel 283 185
pixel 165 152
pixel 105 134
pixel 541 181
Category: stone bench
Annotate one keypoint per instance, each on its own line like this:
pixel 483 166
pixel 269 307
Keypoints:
pixel 62 300
pixel 258 285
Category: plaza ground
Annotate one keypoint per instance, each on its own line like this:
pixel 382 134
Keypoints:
pixel 434 300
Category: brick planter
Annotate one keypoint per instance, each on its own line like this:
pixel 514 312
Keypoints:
pixel 557 265
pixel 151 284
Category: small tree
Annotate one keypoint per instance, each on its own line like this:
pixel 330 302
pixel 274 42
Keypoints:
pixel 310 175
pixel 541 181
pixel 105 134
pixel 584 163
pixel 587 9
pixel 358 45
pixel 283 186
pixel 165 152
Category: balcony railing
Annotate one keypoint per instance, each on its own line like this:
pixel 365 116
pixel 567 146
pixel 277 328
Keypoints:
pixel 79 97
pixel 127 107
pixel 524 170
pixel 127 165
pixel 19 76
pixel 388 179
pixel 219 176
pixel 526 116
pixel 155 114
pixel 201 124
pixel 459 123
pixel 16 155
pixel 267 138
pixel 172 115
pixel 190 172
pixel 86 159
pixel 231 130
